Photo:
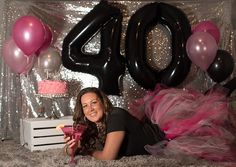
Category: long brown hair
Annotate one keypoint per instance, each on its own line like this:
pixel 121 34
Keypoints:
pixel 91 136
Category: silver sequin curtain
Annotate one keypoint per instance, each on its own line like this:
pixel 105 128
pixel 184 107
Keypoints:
pixel 18 92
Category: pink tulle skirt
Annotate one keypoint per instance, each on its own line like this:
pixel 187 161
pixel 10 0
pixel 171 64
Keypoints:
pixel 196 124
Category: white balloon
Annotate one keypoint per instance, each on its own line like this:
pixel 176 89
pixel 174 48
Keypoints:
pixel 49 60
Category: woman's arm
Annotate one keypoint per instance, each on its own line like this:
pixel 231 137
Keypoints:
pixel 112 146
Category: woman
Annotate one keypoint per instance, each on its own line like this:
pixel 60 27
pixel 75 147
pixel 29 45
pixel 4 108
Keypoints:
pixel 111 132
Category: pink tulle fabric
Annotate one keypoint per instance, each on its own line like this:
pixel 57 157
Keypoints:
pixel 196 124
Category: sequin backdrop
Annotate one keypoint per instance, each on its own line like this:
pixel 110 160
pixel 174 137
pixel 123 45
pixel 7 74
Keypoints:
pixel 17 92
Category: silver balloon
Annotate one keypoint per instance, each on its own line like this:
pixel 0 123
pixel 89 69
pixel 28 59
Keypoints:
pixel 49 60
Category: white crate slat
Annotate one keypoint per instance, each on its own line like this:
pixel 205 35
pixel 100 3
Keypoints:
pixel 46 147
pixel 41 133
pixel 48 140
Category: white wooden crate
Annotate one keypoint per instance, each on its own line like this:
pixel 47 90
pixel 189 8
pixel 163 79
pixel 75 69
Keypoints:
pixel 41 133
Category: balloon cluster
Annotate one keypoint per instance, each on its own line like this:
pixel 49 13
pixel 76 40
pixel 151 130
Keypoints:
pixel 202 49
pixel 30 41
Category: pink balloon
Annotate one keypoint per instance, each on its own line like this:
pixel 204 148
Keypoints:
pixel 15 58
pixel 210 27
pixel 29 34
pixel 47 39
pixel 201 48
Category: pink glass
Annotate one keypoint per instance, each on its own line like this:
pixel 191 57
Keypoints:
pixel 67 130
pixel 74 133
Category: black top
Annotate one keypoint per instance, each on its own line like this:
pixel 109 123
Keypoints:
pixel 137 133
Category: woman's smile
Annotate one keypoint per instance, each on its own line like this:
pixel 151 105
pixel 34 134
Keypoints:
pixel 93 114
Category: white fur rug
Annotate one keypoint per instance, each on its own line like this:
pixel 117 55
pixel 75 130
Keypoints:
pixel 13 154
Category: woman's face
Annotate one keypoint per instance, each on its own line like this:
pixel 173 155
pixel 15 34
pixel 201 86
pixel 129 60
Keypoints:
pixel 92 107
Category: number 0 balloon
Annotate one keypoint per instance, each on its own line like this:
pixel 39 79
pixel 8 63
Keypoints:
pixel 144 19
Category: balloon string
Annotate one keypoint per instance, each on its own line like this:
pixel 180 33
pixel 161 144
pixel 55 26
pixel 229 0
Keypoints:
pixel 27 71
pixel 38 62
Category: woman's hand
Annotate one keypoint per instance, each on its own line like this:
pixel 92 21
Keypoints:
pixel 71 145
